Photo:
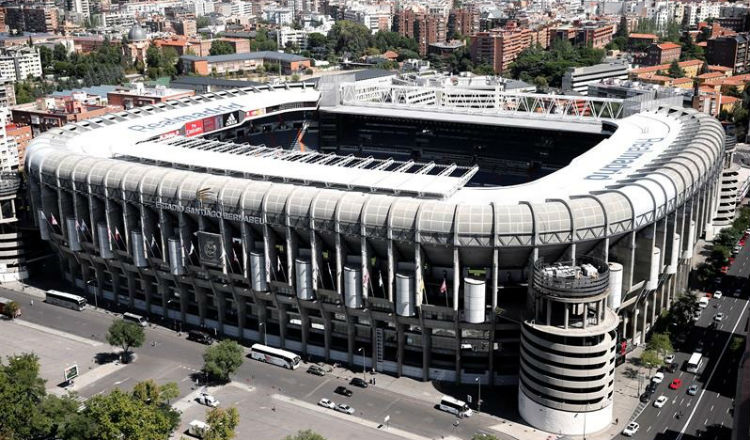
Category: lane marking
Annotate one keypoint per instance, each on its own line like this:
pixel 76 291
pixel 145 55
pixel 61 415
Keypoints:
pixel 708 381
pixel 317 388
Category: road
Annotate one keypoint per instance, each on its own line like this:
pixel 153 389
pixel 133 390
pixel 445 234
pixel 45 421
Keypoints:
pixel 708 414
pixel 167 357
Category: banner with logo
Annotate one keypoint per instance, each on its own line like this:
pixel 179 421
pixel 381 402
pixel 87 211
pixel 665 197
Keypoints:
pixel 210 249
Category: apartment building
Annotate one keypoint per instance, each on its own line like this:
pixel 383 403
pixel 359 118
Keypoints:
pixel 662 53
pixel 56 111
pixel 19 63
pixel 31 19
pixel 425 27
pixel 499 47
pixel 7 93
pixel 463 21
pixel 731 51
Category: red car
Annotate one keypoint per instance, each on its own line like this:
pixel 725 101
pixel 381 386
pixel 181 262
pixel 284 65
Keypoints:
pixel 731 260
pixel 724 269
pixel 676 384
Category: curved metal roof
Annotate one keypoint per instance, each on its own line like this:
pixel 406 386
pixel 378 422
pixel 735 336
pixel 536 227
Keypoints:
pixel 651 164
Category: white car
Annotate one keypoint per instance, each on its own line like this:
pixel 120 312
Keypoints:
pixel 669 359
pixel 207 399
pixel 658 403
pixel 718 294
pixel 658 377
pixel 718 317
pixel 631 429
pixel 344 408
pixel 327 403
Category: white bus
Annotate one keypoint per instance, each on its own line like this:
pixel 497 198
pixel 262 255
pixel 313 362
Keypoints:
pixel 455 406
pixel 132 317
pixel 63 299
pixel 694 363
pixel 274 356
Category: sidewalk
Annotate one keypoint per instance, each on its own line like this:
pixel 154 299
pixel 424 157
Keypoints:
pixel 625 400
pixel 88 378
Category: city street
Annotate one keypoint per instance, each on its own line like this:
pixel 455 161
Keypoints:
pixel 169 357
pixel 708 414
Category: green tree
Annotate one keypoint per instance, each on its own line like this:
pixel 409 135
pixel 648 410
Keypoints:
pixel 651 360
pixel 222 423
pixel 480 436
pixel 202 22
pixel 307 434
pixel 153 56
pixel 59 52
pixel 262 42
pixel 127 335
pixel 222 359
pixel 168 392
pixel 119 415
pixel 541 84
pixel 661 344
pixel 220 47
pixel 672 32
pixel 316 39
pixel 675 71
pixel 22 392
pixel 349 37
pixel 11 309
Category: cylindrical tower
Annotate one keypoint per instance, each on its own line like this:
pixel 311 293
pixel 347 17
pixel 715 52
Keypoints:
pixel 567 374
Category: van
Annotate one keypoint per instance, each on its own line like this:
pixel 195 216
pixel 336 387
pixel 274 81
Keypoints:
pixel 197 428
pixel 199 336
pixel 703 302
pixel 132 317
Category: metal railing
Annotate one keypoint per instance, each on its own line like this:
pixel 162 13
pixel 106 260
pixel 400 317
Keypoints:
pixel 482 102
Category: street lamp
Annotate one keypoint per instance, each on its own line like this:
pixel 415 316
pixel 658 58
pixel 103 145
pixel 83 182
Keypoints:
pixel 265 336
pixel 362 349
pixel 479 394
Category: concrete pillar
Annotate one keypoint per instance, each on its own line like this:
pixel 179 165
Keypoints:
pixel 131 288
pixel 456 277
pixel 426 353
pixel 645 322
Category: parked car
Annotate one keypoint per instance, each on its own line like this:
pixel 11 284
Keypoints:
pixel 327 403
pixel 316 370
pixel 631 429
pixel 737 292
pixel 699 347
pixel 672 367
pixel 645 397
pixel 344 408
pixel 669 359
pixel 207 399
pixel 718 294
pixel 692 390
pixel 199 336
pixel 658 378
pixel 358 382
pixel 676 384
pixel 660 401
pixel 344 391
pixel 651 387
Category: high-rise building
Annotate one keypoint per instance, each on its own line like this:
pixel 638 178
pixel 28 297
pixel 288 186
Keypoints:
pixel 732 51
pixel 31 19
pixel 425 27
pixel 463 21
pixel 499 47
pixel 79 7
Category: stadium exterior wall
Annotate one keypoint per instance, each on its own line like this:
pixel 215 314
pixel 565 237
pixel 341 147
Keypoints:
pixel 396 244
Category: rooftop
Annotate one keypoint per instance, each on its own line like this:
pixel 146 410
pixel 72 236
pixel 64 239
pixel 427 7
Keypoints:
pixel 267 55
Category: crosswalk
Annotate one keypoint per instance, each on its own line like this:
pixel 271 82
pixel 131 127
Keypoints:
pixel 638 410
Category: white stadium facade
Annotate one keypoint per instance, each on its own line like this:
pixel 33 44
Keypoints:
pixel 444 233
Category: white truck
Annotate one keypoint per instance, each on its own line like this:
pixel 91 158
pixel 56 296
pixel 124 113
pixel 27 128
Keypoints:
pixel 197 428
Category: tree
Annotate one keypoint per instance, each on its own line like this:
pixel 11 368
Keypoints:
pixel 222 424
pixel 220 47
pixel 59 52
pixel 11 309
pixel 661 344
pixel 202 22
pixel 306 434
pixel 22 392
pixel 650 359
pixel 262 42
pixel 168 392
pixel 316 39
pixel 119 415
pixel 127 335
pixel 483 437
pixel 222 359
pixel 675 71
pixel 541 84
pixel 349 37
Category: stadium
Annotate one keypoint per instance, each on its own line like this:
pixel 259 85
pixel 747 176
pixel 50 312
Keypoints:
pixel 446 233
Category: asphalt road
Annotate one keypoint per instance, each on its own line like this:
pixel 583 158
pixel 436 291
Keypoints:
pixel 708 414
pixel 167 357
